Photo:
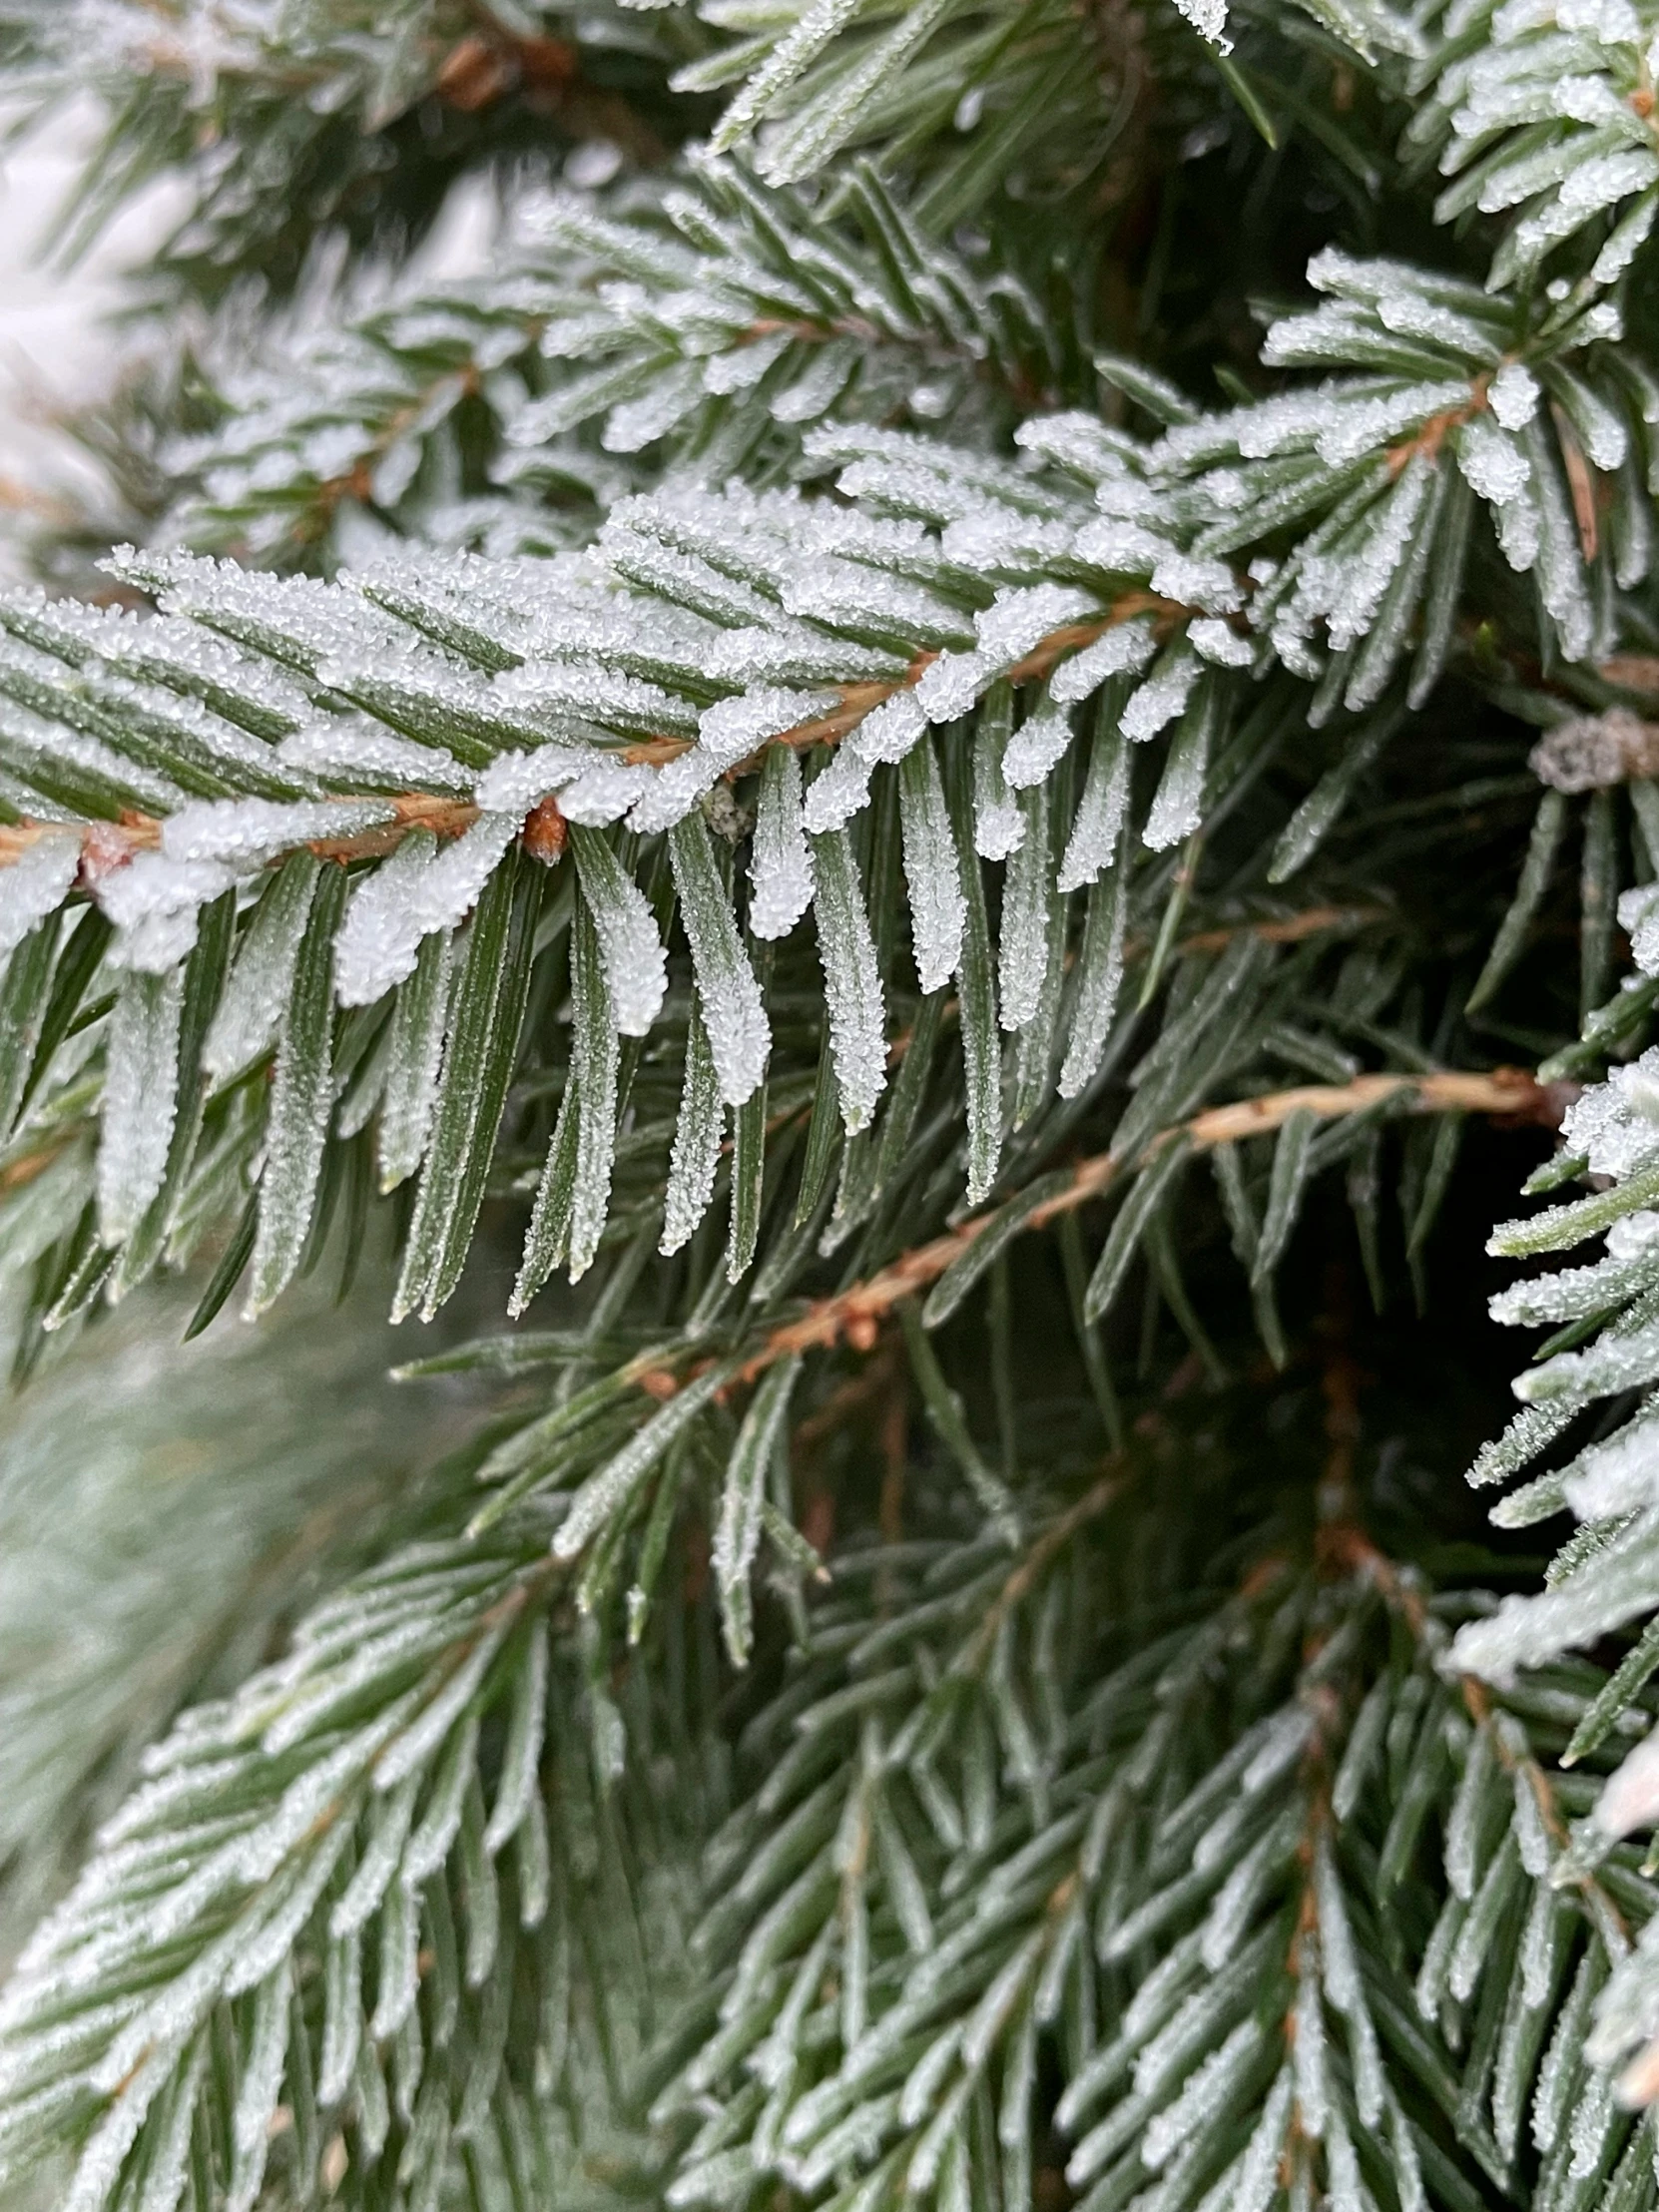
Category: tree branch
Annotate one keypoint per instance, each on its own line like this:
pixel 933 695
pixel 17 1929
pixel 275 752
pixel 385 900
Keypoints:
pixel 108 845
pixel 859 699
pixel 1509 1093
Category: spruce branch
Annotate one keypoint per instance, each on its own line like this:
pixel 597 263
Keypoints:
pixel 469 410
pixel 854 1315
pixel 350 117
pixel 819 743
pixel 107 846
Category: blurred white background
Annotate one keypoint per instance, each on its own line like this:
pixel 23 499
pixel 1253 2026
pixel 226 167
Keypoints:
pixel 58 350
pixel 55 351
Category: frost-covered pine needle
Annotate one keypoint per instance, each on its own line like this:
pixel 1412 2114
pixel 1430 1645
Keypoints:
pixel 780 868
pixel 852 980
pixel 141 1089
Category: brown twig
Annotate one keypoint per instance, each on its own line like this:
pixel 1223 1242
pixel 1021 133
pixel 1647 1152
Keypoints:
pixel 855 1314
pixel 1599 1904
pixel 1021 1578
pixel 1279 929
pixel 108 845
pixel 859 699
pixel 1432 436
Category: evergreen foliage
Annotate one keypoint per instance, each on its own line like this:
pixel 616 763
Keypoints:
pixel 916 820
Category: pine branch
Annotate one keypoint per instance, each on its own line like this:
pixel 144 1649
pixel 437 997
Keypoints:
pixel 328 114
pixel 1244 1926
pixel 108 845
pixel 1517 159
pixel 839 825
pixel 854 1315
pixel 466 411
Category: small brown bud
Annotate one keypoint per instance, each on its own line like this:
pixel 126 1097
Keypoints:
pixel 474 74
pixel 544 831
pixel 336 2160
pixel 105 847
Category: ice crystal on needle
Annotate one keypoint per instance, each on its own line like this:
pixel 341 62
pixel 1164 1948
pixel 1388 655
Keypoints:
pixel 781 870
pixel 966 900
pixel 851 979
pixel 732 1013
pixel 394 908
pixel 140 1095
pixel 932 870
pixel 35 884
pixel 635 964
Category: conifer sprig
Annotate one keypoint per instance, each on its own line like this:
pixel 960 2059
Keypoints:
pixel 916 805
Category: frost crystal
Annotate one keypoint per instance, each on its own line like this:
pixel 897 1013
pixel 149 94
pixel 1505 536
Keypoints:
pixel 155 905
pixel 696 1155
pixel 1204 2095
pixel 352 750
pixel 515 782
pixel 1308 2051
pixel 1638 912
pixel 949 686
pixel 932 870
pixel 734 727
pixel 1124 650
pixel 998 824
pixel 1099 981
pixel 35 884
pixel 140 1088
pixel 674 790
pixel 793 653
pixel 1347 2192
pixel 1495 467
pixel 1100 812
pixel 851 979
pixel 245 1024
pixel 1198 583
pixel 888 730
pixel 1162 697
pixel 1177 806
pixel 1022 953
pixel 1119 546
pixel 1616 1123
pixel 1216 642
pixel 1352 608
pixel 244 832
pixel 594 1066
pixel 1513 396
pixel 1035 747
pixel 1520 530
pixel 781 869
pixel 1617 1477
pixel 1537 1947
pixel 1208 18
pixel 731 1009
pixel 840 792
pixel 1258 2180
pixel 636 966
pixel 604 793
pixel 395 907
